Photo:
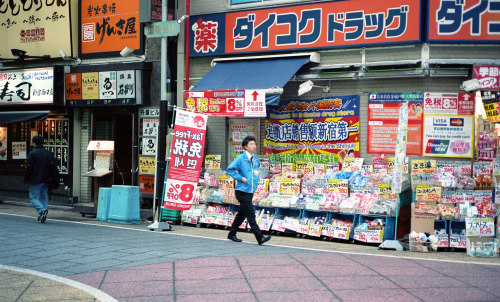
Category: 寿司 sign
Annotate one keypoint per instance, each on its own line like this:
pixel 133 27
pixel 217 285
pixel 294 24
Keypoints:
pixel 232 103
pixel 186 160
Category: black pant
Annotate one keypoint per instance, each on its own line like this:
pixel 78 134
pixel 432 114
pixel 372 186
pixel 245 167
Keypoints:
pixel 246 210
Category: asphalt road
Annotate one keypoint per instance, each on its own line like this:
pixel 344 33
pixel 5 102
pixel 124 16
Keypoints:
pixel 70 258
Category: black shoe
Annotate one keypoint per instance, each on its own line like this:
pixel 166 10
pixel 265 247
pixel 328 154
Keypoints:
pixel 43 216
pixel 264 239
pixel 234 238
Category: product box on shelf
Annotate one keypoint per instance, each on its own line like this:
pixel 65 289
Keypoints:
pixel 482 247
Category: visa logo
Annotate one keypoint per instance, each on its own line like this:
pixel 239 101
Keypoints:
pixel 439 121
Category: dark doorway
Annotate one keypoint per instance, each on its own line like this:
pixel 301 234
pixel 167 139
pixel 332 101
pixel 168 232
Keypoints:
pixel 123 136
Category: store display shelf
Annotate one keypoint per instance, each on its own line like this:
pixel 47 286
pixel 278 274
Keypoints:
pixel 389 224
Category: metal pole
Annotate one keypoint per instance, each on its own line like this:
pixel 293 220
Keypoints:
pixel 162 131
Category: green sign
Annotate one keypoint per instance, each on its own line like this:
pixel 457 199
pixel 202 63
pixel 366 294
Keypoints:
pixel 162 29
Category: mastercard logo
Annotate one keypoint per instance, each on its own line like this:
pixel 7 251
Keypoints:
pixel 457 121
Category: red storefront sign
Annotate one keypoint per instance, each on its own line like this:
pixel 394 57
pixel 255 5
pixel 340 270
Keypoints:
pixel 465 20
pixel 232 103
pixel 186 160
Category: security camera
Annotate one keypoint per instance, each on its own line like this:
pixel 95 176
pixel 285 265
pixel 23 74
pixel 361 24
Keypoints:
pixel 127 51
pixel 182 19
pixel 470 85
pixel 18 52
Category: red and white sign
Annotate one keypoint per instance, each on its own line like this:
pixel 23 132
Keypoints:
pixel 232 103
pixel 449 103
pixel 186 154
pixel 488 77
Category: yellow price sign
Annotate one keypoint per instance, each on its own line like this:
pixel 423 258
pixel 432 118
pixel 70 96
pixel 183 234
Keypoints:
pixel 428 193
pixel 338 186
pixel 212 161
pixel 385 192
pixel 287 167
pixel 290 186
pixel 226 182
pixel 305 168
pixel 422 166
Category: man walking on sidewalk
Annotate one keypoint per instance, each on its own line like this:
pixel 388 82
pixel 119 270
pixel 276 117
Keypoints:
pixel 40 173
pixel 245 169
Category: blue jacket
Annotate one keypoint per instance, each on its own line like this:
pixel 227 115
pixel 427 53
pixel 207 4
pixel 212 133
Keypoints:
pixel 241 167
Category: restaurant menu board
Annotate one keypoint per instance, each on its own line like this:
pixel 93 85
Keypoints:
pixel 55 132
pixel 149 118
pixel 383 110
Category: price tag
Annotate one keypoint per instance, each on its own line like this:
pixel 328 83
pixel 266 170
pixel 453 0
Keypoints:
pixel 290 186
pixel 315 230
pixel 275 167
pixel 265 224
pixel 328 231
pixel 212 161
pixel 286 167
pixel 496 167
pixel 445 167
pixel 483 168
pixel 428 193
pixel 374 236
pixel 319 169
pixel 463 168
pixel 342 232
pixel 303 227
pixel 226 182
pixel 278 225
pixel 300 166
pixel 458 241
pixel 265 165
pixel 480 226
pixel 352 164
pixel 385 192
pixel 443 240
pixel 366 170
pixel 332 168
pixel 359 235
pixel 421 166
pixel 338 186
pixel 483 196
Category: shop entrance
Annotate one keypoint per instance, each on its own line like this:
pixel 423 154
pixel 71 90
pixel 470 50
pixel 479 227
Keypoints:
pixel 121 130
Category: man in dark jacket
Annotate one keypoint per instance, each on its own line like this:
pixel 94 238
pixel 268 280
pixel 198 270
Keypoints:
pixel 39 175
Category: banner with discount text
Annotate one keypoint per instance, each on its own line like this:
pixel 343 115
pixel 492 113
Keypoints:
pixel 232 103
pixel 188 141
pixel 322 126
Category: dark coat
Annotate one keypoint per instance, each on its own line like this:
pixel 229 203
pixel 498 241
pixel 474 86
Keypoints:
pixel 38 166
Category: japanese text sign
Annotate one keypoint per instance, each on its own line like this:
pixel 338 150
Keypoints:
pixel 338 186
pixel 318 25
pixel 428 193
pixel 464 20
pixel 146 184
pixel 226 182
pixel 109 26
pixel 448 136
pixel 290 186
pixel 233 103
pixel 146 165
pixel 37 27
pixel 326 125
pixel 212 161
pixel 480 226
pixel 491 103
pixel 103 88
pixel 186 159
pixel 488 76
pixel 30 86
pixel 383 117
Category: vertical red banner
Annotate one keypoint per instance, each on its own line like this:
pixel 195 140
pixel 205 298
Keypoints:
pixel 186 160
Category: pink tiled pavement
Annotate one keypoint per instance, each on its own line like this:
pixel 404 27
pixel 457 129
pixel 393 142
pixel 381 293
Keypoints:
pixel 299 277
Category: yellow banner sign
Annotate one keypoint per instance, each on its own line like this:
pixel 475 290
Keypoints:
pixel 146 165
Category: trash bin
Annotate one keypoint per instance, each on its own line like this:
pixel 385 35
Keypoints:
pixel 103 204
pixel 124 205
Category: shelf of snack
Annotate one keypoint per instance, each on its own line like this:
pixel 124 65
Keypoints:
pixel 309 200
pixel 447 194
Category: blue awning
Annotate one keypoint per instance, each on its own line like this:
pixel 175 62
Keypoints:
pixel 252 74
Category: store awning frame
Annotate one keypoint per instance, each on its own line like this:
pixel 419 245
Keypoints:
pixel 9 117
pixel 270 73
